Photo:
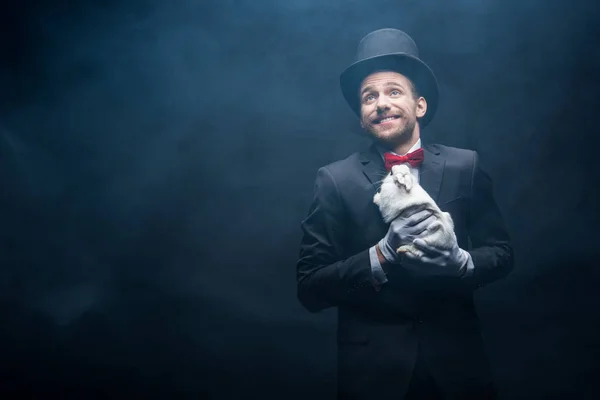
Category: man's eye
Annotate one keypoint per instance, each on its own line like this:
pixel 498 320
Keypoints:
pixel 395 92
pixel 369 97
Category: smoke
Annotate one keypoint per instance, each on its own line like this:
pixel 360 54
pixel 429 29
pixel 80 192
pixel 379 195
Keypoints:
pixel 159 156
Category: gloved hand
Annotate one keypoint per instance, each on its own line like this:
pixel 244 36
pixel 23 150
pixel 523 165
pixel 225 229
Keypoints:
pixel 440 262
pixel 403 230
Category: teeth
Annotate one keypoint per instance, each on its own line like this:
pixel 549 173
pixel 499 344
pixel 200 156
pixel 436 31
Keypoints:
pixel 387 119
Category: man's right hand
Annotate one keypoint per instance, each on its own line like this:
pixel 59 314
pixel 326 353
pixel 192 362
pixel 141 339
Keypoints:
pixel 402 231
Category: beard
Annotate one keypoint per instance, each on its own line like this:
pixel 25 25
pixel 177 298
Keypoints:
pixel 398 136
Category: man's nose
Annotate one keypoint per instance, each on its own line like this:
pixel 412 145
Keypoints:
pixel 382 103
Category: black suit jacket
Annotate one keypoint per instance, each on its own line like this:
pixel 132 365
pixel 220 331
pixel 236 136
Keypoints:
pixel 380 332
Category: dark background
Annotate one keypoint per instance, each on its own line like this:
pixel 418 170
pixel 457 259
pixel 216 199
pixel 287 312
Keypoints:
pixel 157 157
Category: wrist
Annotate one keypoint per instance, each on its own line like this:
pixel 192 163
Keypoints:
pixel 380 257
pixel 463 258
pixel 385 253
pixel 466 268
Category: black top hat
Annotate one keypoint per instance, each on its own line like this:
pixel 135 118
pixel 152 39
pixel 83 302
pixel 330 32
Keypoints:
pixel 390 49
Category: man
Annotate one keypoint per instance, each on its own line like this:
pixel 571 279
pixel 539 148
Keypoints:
pixel 407 328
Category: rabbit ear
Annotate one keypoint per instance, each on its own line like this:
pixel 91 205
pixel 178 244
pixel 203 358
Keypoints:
pixel 408 182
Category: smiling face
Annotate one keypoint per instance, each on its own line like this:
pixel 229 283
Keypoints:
pixel 390 108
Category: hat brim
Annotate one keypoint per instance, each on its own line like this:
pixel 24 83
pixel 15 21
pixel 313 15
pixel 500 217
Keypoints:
pixel 411 67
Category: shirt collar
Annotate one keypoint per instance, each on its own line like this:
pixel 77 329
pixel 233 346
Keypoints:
pixel 416 146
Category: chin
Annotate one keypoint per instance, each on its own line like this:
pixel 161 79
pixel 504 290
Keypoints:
pixel 398 135
pixel 392 137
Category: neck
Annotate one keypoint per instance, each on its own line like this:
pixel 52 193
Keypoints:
pixel 404 146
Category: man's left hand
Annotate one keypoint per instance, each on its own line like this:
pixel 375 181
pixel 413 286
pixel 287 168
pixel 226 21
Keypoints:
pixel 440 262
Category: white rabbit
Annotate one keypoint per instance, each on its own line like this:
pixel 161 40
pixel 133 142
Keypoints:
pixel 401 191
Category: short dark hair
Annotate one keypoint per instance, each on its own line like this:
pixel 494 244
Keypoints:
pixel 414 90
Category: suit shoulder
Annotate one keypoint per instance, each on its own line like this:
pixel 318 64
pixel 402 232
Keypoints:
pixel 455 155
pixel 451 151
pixel 341 167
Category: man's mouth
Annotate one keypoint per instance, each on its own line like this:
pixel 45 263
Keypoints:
pixel 383 120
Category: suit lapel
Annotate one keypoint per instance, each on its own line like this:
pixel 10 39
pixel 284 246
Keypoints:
pixel 432 172
pixel 373 166
pixel 372 227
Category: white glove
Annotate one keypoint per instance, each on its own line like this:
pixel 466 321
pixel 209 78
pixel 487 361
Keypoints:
pixel 402 231
pixel 441 262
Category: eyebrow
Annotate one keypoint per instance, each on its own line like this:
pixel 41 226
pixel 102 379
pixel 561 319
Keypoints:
pixel 388 83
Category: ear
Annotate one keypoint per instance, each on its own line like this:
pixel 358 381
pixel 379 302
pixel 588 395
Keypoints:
pixel 421 107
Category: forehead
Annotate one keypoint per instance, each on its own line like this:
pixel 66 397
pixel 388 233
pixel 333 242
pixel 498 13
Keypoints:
pixel 383 78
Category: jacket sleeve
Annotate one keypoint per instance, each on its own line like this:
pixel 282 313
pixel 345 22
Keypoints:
pixel 490 251
pixel 325 276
